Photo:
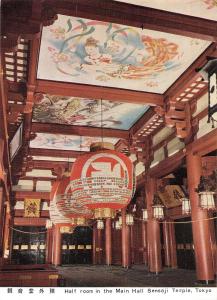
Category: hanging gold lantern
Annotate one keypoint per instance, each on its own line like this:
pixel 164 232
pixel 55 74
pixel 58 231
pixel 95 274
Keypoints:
pixel 206 194
pixel 158 212
pixel 186 206
pixel 100 224
pixel 129 219
pixel 49 224
pixel 118 225
pixel 144 214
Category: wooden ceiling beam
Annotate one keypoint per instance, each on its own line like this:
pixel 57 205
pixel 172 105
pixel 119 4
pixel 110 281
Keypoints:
pixel 137 16
pixel 20 221
pixel 205 144
pixel 79 130
pixel 49 165
pixel 98 92
pixel 168 165
pixel 38 178
pixel 55 153
pixel 32 195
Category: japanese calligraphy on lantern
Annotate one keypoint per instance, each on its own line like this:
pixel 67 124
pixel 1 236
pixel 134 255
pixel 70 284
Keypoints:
pixel 102 179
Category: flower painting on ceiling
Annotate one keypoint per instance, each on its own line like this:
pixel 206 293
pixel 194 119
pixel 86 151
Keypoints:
pixel 106 54
pixel 87 112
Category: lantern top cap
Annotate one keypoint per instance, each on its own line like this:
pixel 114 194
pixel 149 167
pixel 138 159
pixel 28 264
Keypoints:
pixel 101 146
pixel 157 201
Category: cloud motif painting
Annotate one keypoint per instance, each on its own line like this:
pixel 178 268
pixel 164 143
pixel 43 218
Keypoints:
pixel 105 54
pixel 87 112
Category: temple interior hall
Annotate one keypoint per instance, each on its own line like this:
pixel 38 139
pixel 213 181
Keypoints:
pixel 108 143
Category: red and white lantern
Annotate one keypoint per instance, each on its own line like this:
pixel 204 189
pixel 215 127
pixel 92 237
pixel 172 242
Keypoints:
pixel 69 206
pixel 102 179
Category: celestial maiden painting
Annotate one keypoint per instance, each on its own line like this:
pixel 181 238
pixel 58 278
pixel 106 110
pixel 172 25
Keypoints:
pixel 99 53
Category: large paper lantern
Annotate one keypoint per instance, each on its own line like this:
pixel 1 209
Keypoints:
pixel 102 179
pixel 56 217
pixel 70 207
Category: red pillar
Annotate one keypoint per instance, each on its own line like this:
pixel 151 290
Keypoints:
pixel 99 244
pixel 7 232
pixel 144 243
pixel 49 245
pixel 213 243
pixel 108 241
pixel 166 237
pixel 125 236
pixel 155 264
pixel 57 246
pixel 200 228
pixel 172 242
pixel 132 248
pixel 153 230
pixel 1 221
pixel 94 245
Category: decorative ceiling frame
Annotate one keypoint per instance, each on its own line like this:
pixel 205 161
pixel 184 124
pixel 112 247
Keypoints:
pixel 137 16
pixel 120 13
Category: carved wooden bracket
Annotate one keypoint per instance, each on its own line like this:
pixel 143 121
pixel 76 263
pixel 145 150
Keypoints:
pixel 179 115
pixel 146 155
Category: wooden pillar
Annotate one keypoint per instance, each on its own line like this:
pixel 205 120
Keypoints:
pixel 99 244
pixel 125 237
pixel 200 228
pixel 132 248
pixel 7 232
pixel 213 243
pixel 108 241
pixel 94 258
pixel 166 237
pixel 144 243
pixel 172 243
pixel 57 246
pixel 49 245
pixel 155 264
pixel 153 230
pixel 1 220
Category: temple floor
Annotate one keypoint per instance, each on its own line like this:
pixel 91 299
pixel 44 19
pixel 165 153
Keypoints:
pixel 137 276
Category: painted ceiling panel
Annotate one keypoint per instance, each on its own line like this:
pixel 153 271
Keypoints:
pixel 66 142
pixel 87 112
pixel 206 9
pixel 104 54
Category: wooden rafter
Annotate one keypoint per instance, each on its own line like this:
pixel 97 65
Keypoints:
pixel 98 92
pixel 54 153
pixel 79 130
pixel 30 194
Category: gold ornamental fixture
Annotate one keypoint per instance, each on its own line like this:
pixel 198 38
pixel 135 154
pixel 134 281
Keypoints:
pixel 158 208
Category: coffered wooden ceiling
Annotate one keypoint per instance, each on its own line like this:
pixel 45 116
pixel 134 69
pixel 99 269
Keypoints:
pixel 105 68
pixel 105 54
